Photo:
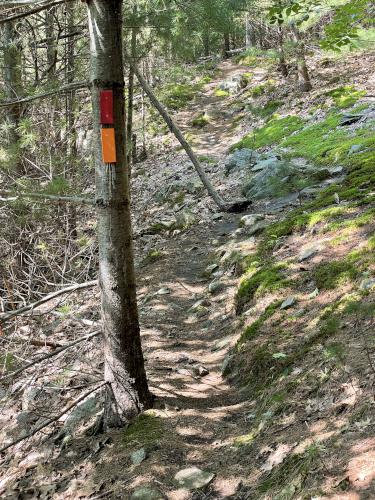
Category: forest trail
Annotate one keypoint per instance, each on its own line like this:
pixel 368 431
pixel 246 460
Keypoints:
pixel 215 137
pixel 185 331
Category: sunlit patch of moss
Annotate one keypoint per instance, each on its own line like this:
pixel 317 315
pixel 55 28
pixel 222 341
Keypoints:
pixel 274 131
pixel 268 278
pixel 345 96
pixel 245 440
pixel 152 256
pixel 221 93
pixel 261 89
pixel 200 120
pixel 145 430
pixel 177 95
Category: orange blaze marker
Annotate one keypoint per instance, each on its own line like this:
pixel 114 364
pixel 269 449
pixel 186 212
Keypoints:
pixel 108 145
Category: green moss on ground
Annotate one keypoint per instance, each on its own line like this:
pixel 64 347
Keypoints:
pixel 145 430
pixel 252 330
pixel 345 96
pixel 274 131
pixel 221 93
pixel 269 278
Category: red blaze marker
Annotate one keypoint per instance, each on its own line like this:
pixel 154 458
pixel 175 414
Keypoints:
pixel 106 107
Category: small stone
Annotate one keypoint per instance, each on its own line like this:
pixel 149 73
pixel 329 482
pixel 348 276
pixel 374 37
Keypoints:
pixel 307 253
pixel 138 456
pixel 217 216
pixel 163 291
pixel 215 287
pixel 193 478
pixel 211 268
pixel 367 284
pixel 289 302
pixel 221 344
pixel 256 228
pixel 200 371
pixel 250 220
pixel 336 170
pixel 146 493
pixel 354 149
pixel 313 294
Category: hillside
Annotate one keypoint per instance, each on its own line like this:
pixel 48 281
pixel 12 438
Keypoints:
pixel 257 328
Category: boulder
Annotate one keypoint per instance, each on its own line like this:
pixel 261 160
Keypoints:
pixel 146 493
pixel 241 159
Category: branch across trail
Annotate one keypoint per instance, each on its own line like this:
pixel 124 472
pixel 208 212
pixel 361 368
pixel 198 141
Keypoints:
pixel 236 206
pixel 53 419
pixel 63 89
pixel 11 314
pixel 49 355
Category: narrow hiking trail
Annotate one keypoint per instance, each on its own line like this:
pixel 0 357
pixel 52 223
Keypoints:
pixel 218 134
pixel 187 333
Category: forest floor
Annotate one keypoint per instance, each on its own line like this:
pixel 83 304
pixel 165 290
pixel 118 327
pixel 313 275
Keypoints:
pixel 187 283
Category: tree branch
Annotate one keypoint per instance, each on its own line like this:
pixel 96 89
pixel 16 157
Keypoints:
pixel 30 11
pixel 8 315
pixel 42 196
pixel 49 355
pixel 63 89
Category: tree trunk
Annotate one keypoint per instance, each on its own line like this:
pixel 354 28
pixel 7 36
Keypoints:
pixel 71 139
pixel 248 34
pixel 129 126
pixel 51 44
pixel 12 75
pixel 281 53
pixel 226 45
pixel 304 82
pixel 124 372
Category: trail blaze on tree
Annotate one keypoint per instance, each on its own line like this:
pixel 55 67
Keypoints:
pixel 128 391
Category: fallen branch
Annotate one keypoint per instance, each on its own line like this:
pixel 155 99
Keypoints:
pixel 70 199
pixel 29 12
pixel 236 206
pixel 49 355
pixel 11 314
pixel 53 419
pixel 63 89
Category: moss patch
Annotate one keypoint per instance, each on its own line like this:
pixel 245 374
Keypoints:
pixel 267 279
pixel 147 429
pixel 345 96
pixel 274 131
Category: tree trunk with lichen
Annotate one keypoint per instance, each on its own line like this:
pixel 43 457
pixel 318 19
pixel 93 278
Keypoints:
pixel 127 388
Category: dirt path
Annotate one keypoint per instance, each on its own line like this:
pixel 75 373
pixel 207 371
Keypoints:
pixel 216 136
pixel 199 415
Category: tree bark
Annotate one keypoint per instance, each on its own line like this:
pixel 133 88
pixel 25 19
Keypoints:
pixel 124 371
pixel 129 129
pixel 304 82
pixel 281 53
pixel 12 52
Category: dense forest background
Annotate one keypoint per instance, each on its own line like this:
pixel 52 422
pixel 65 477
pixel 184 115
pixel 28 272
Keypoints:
pixel 246 159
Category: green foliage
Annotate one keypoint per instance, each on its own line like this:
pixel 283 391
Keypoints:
pixel 200 120
pixel 178 95
pixel 264 111
pixel 152 256
pixel 346 96
pixel 262 88
pixel 274 131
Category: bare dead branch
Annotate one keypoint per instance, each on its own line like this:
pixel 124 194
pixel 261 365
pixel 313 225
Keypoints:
pixel 43 197
pixel 29 12
pixel 61 90
pixel 11 314
pixel 49 355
